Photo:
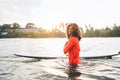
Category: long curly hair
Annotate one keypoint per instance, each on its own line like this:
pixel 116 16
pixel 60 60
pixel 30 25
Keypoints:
pixel 77 32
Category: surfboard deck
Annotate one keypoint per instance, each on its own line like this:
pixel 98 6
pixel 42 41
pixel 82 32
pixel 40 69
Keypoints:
pixel 38 56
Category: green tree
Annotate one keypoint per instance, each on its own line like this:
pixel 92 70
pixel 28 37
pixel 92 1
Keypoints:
pixel 30 26
pixel 116 31
pixel 5 26
pixel 16 26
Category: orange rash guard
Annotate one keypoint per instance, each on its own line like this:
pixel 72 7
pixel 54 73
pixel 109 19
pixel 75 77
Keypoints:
pixel 73 49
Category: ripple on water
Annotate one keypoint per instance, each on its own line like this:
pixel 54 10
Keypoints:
pixel 31 69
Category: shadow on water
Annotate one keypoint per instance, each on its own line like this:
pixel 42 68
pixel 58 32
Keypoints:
pixel 47 76
pixel 31 60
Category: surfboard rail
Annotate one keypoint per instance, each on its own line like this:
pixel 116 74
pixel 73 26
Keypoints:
pixel 37 57
pixel 103 56
pixel 55 57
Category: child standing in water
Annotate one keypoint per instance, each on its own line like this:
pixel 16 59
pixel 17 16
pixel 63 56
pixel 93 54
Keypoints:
pixel 72 47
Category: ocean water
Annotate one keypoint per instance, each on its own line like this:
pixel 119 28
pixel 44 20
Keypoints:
pixel 20 68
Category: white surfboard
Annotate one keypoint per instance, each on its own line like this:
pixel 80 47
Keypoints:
pixel 82 55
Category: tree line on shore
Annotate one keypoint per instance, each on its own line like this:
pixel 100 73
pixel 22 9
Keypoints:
pixel 113 31
pixel 56 32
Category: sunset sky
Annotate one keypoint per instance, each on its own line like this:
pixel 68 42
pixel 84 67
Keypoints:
pixel 46 13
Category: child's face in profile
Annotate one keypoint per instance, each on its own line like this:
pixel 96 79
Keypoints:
pixel 70 30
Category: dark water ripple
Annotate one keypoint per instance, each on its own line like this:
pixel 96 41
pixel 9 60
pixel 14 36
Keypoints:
pixel 99 77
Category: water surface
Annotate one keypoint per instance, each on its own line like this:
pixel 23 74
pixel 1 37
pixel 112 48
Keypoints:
pixel 20 68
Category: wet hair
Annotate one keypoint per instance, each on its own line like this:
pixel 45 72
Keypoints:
pixel 77 32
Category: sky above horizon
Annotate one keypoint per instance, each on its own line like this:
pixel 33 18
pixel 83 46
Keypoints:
pixel 46 13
